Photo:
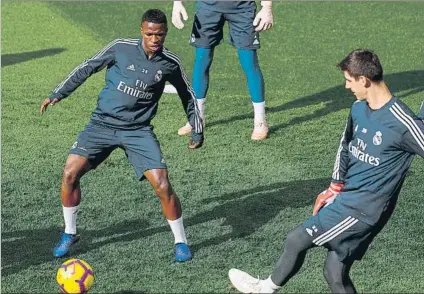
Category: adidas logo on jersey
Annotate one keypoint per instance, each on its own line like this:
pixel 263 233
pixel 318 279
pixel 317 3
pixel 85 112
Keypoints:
pixel 311 232
pixel 131 67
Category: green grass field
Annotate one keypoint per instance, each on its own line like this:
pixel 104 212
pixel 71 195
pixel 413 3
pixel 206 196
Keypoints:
pixel 240 198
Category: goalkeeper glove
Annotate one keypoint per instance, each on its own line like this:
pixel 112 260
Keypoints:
pixel 178 10
pixel 264 20
pixel 327 196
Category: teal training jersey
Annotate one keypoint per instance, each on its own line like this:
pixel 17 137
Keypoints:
pixel 227 6
pixel 376 150
pixel 134 84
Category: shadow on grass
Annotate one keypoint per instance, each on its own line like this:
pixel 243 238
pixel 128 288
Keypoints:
pixel 10 59
pixel 335 99
pixel 245 212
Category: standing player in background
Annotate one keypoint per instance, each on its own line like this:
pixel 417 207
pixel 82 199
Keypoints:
pixel 137 70
pixel 207 32
pixel 381 137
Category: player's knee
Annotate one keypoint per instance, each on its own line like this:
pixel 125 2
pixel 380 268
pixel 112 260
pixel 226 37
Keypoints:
pixel 70 175
pixel 162 186
pixel 291 242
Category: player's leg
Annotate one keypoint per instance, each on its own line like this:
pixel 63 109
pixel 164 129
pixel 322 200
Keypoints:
pixel 347 239
pixel 200 80
pixel 75 167
pixel 336 273
pixel 143 151
pixel 171 207
pixel 207 32
pixel 255 82
pixel 172 211
pixel 242 36
pixel 93 145
pixel 297 243
pixel 202 64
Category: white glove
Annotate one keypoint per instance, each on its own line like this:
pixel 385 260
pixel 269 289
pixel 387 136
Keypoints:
pixel 263 20
pixel 178 10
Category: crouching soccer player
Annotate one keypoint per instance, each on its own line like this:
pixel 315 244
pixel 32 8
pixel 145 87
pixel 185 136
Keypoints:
pixel 207 33
pixel 137 70
pixel 382 136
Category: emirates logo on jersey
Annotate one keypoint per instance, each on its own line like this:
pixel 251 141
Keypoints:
pixel 377 139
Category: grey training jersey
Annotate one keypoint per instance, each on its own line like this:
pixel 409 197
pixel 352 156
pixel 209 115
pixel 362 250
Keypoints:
pixel 375 153
pixel 134 85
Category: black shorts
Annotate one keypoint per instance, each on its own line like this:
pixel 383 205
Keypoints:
pixel 141 146
pixel 348 236
pixel 208 26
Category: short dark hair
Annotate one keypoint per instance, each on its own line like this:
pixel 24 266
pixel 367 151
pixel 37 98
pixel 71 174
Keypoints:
pixel 155 16
pixel 362 62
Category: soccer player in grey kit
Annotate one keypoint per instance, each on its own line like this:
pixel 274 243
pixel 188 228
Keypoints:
pixel 381 137
pixel 137 70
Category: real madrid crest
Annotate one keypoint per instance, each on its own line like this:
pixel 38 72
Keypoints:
pixel 158 76
pixel 377 139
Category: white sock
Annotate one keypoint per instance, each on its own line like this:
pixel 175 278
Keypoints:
pixel 268 286
pixel 70 217
pixel 259 111
pixel 201 106
pixel 177 229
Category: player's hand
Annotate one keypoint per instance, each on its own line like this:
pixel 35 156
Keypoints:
pixel 178 10
pixel 264 20
pixel 327 196
pixel 196 140
pixel 46 103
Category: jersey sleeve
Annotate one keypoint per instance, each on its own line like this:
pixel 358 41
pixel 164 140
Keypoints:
pixel 413 139
pixel 81 73
pixel 179 80
pixel 342 157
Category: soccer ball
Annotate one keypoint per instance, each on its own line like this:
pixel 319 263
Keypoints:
pixel 75 276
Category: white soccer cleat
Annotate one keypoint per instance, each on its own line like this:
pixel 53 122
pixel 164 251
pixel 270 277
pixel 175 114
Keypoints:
pixel 245 283
pixel 185 130
pixel 170 89
pixel 260 131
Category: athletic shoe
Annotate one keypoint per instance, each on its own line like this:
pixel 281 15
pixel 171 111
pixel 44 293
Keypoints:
pixel 260 131
pixel 185 130
pixel 182 252
pixel 245 283
pixel 65 243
